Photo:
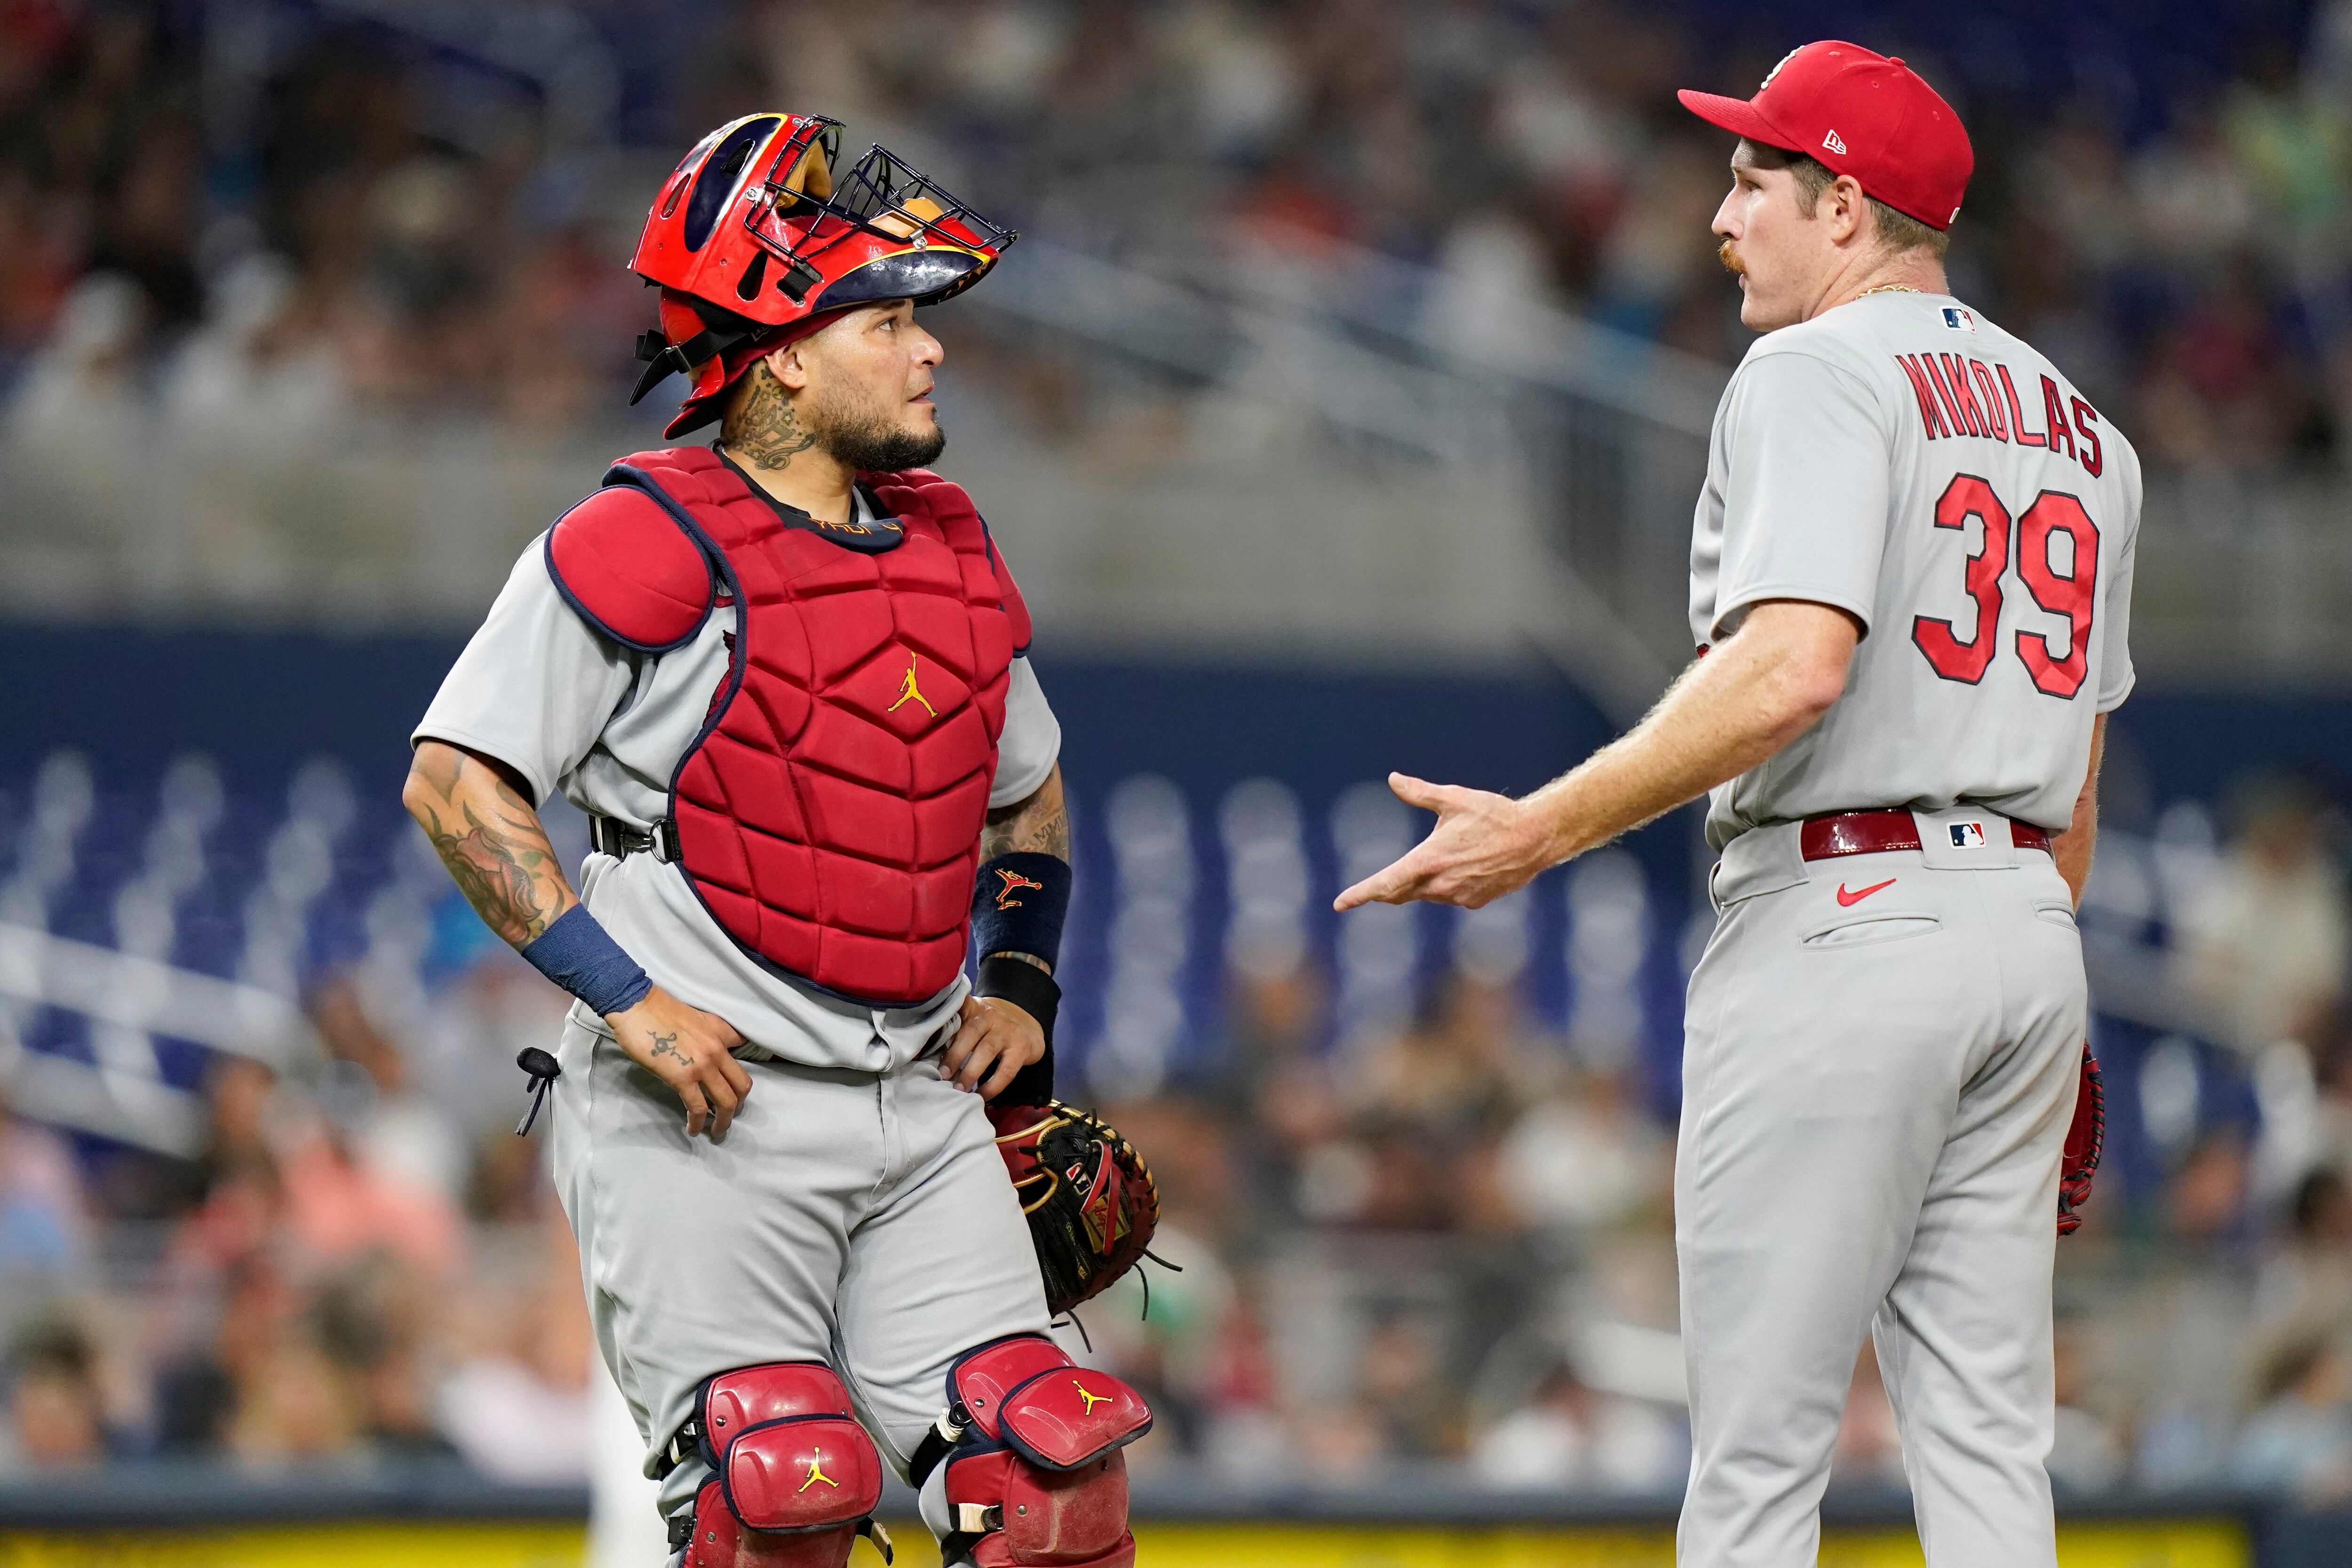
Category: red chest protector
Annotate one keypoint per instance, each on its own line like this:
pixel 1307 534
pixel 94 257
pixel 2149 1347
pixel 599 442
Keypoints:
pixel 828 815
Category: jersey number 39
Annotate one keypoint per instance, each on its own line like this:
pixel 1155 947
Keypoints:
pixel 2073 595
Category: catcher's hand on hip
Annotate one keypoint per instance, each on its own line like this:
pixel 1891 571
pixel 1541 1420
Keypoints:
pixel 687 1050
pixel 996 1040
pixel 1485 845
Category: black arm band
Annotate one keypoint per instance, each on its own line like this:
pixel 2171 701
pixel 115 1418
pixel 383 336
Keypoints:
pixel 1035 993
pixel 1018 904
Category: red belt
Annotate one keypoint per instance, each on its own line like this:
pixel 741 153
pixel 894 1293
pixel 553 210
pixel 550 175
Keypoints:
pixel 1874 832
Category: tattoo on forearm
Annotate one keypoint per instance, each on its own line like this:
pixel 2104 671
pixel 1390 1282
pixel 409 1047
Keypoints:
pixel 501 861
pixel 1038 826
pixel 763 428
pixel 666 1046
pixel 499 864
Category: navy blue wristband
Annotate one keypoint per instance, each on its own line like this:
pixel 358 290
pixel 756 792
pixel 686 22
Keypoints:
pixel 580 956
pixel 1018 905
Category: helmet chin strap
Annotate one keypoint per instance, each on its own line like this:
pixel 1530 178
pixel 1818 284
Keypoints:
pixel 722 330
pixel 666 359
pixel 718 337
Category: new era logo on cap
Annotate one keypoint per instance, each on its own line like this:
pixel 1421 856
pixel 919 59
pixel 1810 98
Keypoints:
pixel 1833 144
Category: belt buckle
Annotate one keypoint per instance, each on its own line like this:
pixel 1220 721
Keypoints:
pixel 611 836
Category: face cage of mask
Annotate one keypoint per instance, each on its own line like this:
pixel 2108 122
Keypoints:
pixel 882 195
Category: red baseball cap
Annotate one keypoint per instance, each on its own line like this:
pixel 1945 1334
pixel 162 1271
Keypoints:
pixel 1861 114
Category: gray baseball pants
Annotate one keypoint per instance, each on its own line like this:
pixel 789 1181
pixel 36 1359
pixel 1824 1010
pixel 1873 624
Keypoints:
pixel 859 1219
pixel 1876 1088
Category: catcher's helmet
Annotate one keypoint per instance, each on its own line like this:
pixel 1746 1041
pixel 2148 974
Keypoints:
pixel 754 241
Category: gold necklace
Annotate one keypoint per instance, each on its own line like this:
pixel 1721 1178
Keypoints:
pixel 1887 289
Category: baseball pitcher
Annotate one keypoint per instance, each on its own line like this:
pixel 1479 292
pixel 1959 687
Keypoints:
pixel 1910 589
pixel 786 677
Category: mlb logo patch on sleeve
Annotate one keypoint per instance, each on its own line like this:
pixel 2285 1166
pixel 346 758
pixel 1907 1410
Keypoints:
pixel 1959 320
pixel 1967 836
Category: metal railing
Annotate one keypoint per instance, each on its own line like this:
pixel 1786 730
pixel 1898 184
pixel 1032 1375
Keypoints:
pixel 1291 450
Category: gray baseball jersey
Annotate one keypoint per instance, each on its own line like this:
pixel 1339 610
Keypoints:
pixel 1908 462
pixel 1880 1050
pixel 541 692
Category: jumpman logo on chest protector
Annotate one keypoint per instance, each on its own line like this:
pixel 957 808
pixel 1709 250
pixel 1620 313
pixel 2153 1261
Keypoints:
pixel 908 692
pixel 816 1473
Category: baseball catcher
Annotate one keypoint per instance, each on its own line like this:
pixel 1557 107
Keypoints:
pixel 785 674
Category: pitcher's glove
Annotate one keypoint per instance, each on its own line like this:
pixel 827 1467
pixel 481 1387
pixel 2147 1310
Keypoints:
pixel 2086 1139
pixel 1090 1199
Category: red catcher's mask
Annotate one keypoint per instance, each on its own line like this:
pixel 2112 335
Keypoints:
pixel 756 240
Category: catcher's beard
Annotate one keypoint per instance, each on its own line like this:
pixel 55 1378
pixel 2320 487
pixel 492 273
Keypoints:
pixel 858 436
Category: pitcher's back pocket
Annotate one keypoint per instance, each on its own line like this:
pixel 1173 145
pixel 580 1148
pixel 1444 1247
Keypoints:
pixel 1864 931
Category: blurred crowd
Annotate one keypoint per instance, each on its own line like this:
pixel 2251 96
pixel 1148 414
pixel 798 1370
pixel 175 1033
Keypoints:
pixel 1441 1244
pixel 263 227
pixel 360 1267
pixel 1452 1244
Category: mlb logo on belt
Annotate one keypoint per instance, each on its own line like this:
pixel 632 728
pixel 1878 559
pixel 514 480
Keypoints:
pixel 1959 320
pixel 1967 836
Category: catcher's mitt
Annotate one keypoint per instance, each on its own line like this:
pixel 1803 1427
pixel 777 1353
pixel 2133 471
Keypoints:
pixel 1090 1199
pixel 2086 1140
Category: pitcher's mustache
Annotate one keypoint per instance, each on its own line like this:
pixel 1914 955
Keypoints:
pixel 1730 259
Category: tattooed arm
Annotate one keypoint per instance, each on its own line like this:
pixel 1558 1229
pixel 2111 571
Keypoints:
pixel 485 829
pixel 1037 825
pixel 998 1037
pixel 478 815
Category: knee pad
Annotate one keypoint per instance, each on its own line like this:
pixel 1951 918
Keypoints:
pixel 793 1478
pixel 1030 1442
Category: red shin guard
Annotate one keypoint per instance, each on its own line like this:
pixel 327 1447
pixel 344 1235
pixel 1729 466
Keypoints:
pixel 794 1480
pixel 723 1541
pixel 1034 1475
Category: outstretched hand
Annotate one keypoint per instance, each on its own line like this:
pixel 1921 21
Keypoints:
pixel 1485 845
